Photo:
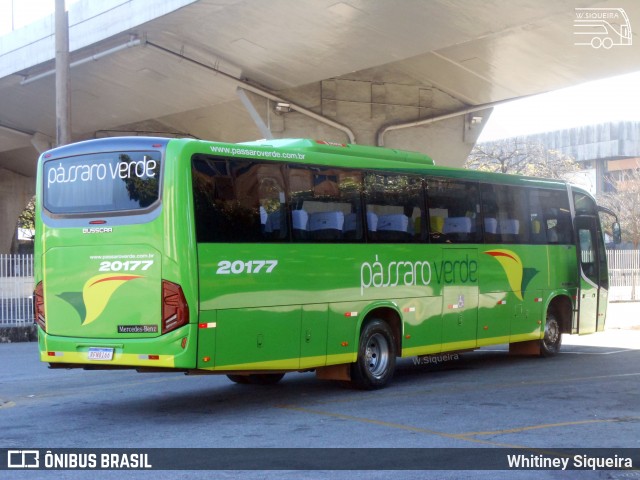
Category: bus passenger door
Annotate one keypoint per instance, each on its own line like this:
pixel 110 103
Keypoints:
pixel 590 248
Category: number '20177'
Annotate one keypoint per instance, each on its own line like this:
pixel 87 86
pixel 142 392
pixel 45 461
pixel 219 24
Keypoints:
pixel 128 266
pixel 227 267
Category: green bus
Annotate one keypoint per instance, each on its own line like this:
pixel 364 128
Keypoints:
pixel 258 259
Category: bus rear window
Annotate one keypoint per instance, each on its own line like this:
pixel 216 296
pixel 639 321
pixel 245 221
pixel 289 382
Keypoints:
pixel 102 182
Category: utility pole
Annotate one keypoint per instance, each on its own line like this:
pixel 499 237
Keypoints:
pixel 63 103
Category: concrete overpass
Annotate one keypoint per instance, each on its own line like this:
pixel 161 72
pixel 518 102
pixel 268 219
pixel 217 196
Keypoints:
pixel 419 75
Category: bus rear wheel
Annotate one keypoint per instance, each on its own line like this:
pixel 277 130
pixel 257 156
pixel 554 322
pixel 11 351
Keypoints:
pixel 376 356
pixel 257 378
pixel 552 340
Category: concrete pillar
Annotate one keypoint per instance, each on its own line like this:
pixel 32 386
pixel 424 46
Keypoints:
pixel 63 104
pixel 15 192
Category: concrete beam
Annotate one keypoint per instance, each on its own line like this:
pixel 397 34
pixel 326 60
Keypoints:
pixel 365 106
pixel 90 22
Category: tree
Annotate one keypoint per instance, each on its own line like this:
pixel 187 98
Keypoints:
pixel 27 219
pixel 516 156
pixel 624 199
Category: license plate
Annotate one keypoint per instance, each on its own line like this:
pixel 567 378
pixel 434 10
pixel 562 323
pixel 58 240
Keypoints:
pixel 100 353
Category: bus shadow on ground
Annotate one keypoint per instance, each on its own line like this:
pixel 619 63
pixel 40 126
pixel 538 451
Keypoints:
pixel 192 397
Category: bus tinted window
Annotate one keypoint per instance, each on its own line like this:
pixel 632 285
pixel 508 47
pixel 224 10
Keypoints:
pixel 505 214
pixel 454 208
pixel 394 208
pixel 557 216
pixel 536 215
pixel 102 183
pixel 238 201
pixel 325 204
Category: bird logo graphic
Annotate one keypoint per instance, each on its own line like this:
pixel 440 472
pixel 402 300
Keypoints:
pixel 95 295
pixel 517 276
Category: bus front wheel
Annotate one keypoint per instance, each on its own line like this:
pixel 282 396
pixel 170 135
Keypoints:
pixel 552 340
pixel 376 356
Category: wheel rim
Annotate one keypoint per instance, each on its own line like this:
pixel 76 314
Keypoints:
pixel 377 355
pixel 551 333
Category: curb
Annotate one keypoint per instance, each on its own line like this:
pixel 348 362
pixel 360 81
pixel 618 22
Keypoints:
pixel 27 333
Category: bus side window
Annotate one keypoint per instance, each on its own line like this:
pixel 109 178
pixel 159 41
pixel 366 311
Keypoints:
pixel 237 200
pixel 557 216
pixel 536 216
pixel 506 214
pixel 350 183
pixel 272 203
pixel 454 208
pixel 395 208
pixel 325 205
pixel 214 199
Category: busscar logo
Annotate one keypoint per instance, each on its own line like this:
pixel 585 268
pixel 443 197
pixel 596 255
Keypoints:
pixel 23 459
pixel 602 27
pixel 97 230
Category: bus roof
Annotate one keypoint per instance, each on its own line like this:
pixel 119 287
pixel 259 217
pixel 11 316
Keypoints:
pixel 337 154
pixel 309 152
pixel 346 149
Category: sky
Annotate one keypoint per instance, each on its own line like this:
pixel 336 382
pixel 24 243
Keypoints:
pixel 18 13
pixel 601 101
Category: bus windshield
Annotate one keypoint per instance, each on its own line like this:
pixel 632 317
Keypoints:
pixel 102 182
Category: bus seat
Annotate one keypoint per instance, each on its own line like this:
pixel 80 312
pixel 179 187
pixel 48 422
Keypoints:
pixel 272 223
pixel 372 221
pixel 491 225
pixel 457 228
pixel 299 222
pixel 326 225
pixel 457 225
pixel 536 227
pixel 436 223
pixel 393 228
pixel 509 226
pixel 396 222
pixel 263 216
pixel 491 230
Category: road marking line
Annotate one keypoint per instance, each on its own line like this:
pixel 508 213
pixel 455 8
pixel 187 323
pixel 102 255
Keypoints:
pixel 550 425
pixel 462 389
pixel 602 353
pixel 399 426
pixel 7 403
pixel 466 436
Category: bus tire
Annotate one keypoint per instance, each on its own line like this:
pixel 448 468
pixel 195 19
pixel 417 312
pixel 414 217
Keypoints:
pixel 376 361
pixel 552 340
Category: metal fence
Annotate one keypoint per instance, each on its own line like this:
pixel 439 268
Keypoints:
pixel 16 290
pixel 16 284
pixel 624 274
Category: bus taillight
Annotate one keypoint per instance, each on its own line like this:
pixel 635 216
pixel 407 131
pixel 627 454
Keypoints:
pixel 175 311
pixel 38 306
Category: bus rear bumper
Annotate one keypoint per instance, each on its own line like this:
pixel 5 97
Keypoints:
pixel 175 350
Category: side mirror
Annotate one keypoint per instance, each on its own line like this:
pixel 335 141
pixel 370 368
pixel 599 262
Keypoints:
pixel 617 233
